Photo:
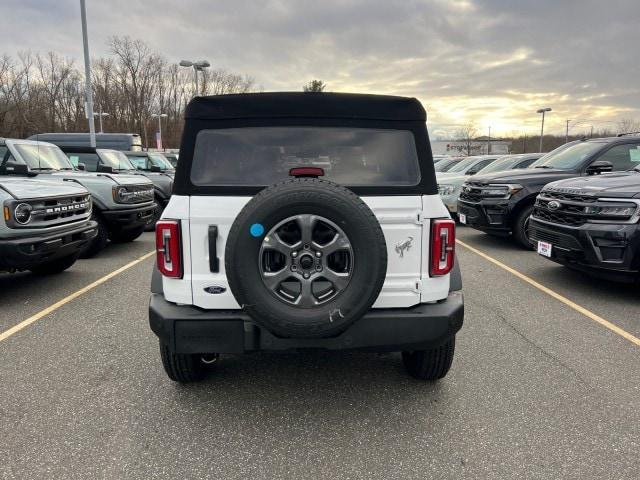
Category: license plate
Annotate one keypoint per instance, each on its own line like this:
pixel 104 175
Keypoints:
pixel 544 249
pixel 462 217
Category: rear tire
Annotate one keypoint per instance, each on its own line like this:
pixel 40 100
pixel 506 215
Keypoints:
pixel 432 364
pixel 521 228
pixel 99 242
pixel 181 367
pixel 127 235
pixel 56 266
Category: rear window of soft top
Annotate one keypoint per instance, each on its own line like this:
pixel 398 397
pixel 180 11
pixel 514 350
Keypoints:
pixel 261 156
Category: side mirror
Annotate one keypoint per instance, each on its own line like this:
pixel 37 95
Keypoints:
pixel 599 166
pixel 155 168
pixel 104 168
pixel 82 166
pixel 11 168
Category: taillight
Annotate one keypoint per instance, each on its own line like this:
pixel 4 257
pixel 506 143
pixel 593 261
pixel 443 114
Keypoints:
pixel 168 253
pixel 443 240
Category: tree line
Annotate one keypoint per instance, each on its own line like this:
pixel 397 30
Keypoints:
pixel 46 92
pixel 469 143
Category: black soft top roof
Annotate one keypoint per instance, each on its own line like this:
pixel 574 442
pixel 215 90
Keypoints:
pixel 306 105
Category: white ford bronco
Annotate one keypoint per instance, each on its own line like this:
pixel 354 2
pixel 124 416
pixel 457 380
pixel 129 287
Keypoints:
pixel 305 220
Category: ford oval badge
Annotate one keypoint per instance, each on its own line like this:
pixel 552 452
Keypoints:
pixel 215 289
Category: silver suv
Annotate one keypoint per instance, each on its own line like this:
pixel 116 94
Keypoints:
pixel 45 225
pixel 122 204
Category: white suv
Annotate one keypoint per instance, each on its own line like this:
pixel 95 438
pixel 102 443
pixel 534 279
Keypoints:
pixel 305 220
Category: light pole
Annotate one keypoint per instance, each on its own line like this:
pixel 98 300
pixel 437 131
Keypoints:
pixel 101 114
pixel 87 75
pixel 489 142
pixel 159 135
pixel 542 111
pixel 198 66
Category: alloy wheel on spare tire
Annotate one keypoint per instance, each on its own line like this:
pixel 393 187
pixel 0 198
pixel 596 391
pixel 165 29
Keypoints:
pixel 306 258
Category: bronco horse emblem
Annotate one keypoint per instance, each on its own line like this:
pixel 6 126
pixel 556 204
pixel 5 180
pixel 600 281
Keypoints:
pixel 402 246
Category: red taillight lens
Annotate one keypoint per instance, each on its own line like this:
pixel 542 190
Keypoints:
pixel 443 241
pixel 168 252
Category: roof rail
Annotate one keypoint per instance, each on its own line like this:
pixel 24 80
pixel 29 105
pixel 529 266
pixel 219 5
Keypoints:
pixel 628 133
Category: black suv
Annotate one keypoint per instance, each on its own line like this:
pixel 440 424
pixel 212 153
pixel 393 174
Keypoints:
pixel 591 223
pixel 502 203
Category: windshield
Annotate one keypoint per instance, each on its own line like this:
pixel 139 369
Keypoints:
pixel 265 155
pixel 160 160
pixel 115 159
pixel 43 157
pixel 499 165
pixel 567 158
pixel 445 165
pixel 463 165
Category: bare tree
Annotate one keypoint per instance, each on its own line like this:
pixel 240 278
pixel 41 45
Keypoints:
pixel 41 93
pixel 466 134
pixel 627 125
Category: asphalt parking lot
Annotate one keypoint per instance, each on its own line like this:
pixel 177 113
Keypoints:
pixel 538 389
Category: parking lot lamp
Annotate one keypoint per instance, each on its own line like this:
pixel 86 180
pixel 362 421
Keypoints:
pixel 87 75
pixel 198 66
pixel 542 111
pixel 101 114
pixel 160 116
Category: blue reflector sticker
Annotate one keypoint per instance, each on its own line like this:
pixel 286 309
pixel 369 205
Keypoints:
pixel 256 230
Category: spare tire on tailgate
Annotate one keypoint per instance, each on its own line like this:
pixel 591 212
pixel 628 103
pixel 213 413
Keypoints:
pixel 306 258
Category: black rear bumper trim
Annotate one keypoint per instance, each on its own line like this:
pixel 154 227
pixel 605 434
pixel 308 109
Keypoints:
pixel 187 329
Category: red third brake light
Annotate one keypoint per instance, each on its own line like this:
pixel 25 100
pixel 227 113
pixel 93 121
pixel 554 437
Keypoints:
pixel 168 253
pixel 306 172
pixel 443 241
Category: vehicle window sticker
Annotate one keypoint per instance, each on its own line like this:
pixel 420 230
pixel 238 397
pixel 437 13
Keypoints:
pixel 634 154
pixel 74 160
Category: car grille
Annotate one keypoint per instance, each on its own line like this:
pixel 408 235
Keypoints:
pixel 471 193
pixel 559 218
pixel 49 212
pixel 571 209
pixel 138 193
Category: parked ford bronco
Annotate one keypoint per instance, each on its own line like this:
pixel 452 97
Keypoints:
pixel 501 203
pixel 590 224
pixel 305 220
pixel 122 204
pixel 113 161
pixel 45 225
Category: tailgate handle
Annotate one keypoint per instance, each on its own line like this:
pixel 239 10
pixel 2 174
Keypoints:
pixel 214 263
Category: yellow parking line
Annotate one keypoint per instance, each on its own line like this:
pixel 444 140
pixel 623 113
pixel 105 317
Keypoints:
pixel 557 296
pixel 43 313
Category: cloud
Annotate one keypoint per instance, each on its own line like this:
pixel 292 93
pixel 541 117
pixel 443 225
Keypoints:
pixel 490 61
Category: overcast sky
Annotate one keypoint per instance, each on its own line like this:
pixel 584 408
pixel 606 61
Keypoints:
pixel 494 62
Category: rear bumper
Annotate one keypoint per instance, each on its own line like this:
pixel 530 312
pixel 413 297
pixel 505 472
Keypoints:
pixel 129 218
pixel 188 329
pixel 26 252
pixel 609 250
pixel 488 216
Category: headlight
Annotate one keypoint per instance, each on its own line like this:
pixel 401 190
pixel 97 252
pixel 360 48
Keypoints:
pixel 611 211
pixel 446 190
pixel 22 213
pixel 500 190
pixel 120 194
